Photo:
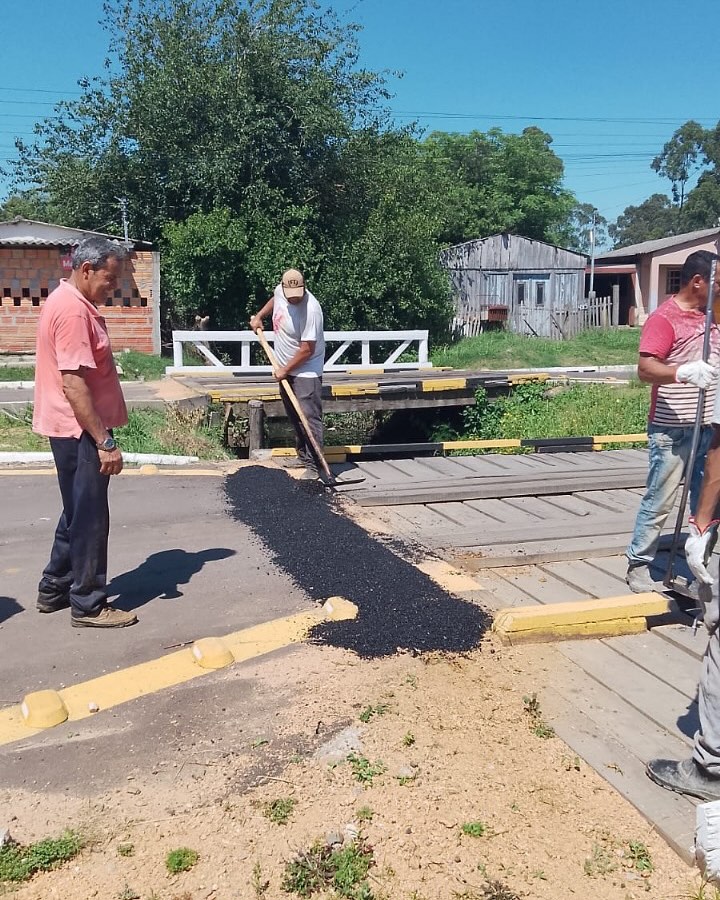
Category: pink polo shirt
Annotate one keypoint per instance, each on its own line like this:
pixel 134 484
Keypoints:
pixel 71 336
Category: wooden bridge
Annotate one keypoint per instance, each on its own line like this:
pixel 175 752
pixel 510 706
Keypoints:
pixel 538 529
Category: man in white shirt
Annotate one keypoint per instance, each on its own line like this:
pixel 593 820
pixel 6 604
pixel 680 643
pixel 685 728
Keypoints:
pixel 300 349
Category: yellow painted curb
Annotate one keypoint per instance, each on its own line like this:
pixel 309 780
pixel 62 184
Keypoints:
pixel 43 709
pixel 609 616
pixel 355 390
pixel 481 445
pixel 80 701
pixel 332 454
pixel 361 371
pixel 444 384
pixel 212 653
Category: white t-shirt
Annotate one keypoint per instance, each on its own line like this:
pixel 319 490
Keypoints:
pixel 297 322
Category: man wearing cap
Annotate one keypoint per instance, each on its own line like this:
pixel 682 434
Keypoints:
pixel 300 350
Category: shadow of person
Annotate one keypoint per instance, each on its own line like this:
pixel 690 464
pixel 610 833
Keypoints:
pixel 689 721
pixel 160 575
pixel 9 607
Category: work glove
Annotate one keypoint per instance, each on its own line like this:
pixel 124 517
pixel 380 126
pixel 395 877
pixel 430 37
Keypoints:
pixel 699 373
pixel 698 548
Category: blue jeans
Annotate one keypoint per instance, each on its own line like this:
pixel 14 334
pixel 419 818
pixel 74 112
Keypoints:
pixel 669 451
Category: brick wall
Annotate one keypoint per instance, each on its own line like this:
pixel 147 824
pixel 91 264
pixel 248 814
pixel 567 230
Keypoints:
pixel 29 274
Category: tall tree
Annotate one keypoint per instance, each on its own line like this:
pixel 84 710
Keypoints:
pixel 577 234
pixel 652 219
pixel 681 158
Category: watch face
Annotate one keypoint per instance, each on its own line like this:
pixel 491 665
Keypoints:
pixel 108 444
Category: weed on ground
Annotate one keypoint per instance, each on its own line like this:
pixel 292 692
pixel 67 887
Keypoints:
pixel 181 860
pixel 538 725
pixel 321 868
pixel 280 810
pixel 18 862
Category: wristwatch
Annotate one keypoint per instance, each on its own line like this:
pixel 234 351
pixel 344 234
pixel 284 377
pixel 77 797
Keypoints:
pixel 108 444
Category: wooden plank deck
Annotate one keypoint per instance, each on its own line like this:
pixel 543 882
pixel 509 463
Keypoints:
pixel 616 702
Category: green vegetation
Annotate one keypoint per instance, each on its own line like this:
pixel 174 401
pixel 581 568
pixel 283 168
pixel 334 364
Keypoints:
pixel 474 829
pixel 141 366
pixel 17 373
pixel 535 411
pixel 16 433
pixel 181 860
pixel 18 862
pixel 364 770
pixel 538 726
pixel 320 869
pixel 379 710
pixel 640 856
pixel 408 739
pixel 280 810
pixel 171 430
pixel 364 814
pixel 126 849
pixel 504 350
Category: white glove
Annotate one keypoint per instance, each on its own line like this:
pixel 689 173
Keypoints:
pixel 699 373
pixel 697 550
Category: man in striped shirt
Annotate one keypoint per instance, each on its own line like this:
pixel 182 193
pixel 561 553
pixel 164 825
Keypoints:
pixel 671 348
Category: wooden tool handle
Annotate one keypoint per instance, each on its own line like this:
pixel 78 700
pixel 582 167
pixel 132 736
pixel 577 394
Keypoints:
pixel 317 450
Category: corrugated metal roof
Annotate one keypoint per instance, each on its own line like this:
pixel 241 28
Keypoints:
pixel 19 232
pixel 660 244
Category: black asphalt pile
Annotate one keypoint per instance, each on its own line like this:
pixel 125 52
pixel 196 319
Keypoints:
pixel 327 555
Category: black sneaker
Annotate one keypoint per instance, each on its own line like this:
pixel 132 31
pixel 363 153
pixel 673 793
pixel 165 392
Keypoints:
pixel 47 604
pixel 684 777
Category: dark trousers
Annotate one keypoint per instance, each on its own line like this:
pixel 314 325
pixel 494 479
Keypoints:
pixel 78 562
pixel 309 395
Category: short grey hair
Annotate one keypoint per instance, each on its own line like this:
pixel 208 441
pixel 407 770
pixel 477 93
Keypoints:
pixel 96 251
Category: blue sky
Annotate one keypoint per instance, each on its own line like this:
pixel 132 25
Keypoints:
pixel 609 81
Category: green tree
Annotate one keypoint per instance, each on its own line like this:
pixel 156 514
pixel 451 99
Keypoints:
pixel 652 219
pixel 499 182
pixel 26 205
pixel 576 236
pixel 681 157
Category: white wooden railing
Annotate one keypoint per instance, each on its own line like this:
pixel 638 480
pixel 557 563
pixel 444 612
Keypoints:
pixel 347 340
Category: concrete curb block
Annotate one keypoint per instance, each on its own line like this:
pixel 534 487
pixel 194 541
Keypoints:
pixel 606 617
pixel 43 709
pixel 151 459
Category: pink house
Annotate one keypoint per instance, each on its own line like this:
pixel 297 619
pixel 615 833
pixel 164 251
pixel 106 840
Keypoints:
pixel 648 273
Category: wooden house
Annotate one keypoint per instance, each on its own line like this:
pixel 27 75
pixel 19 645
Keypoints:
pixel 529 286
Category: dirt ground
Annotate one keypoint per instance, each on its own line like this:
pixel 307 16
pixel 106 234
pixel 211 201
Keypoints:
pixel 457 746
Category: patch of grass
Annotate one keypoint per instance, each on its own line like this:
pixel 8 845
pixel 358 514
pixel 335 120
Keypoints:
pixel 171 430
pixel 126 849
pixel 408 739
pixel 639 854
pixel 18 862
pixel 364 770
pixel 128 893
pixel 538 725
pixel 533 410
pixel 504 350
pixel 379 710
pixel 601 861
pixel 491 890
pixel 17 373
pixel 320 869
pixel 701 891
pixel 364 814
pixel 141 366
pixel 16 432
pixel 474 829
pixel 181 860
pixel 280 810
pixel 259 882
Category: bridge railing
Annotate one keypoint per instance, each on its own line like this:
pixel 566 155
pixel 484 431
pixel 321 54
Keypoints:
pixel 347 341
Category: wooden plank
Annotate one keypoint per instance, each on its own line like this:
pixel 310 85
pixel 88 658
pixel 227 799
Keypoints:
pixel 587 578
pixel 686 638
pixel 493 509
pixel 664 705
pixel 481 488
pixel 612 565
pixel 536 507
pixel 612 500
pixel 504 592
pixel 476 559
pixel 541 585
pixel 416 516
pixel 665 661
pixel 462 515
pixel 528 533
pixel 671 815
pixel 571 503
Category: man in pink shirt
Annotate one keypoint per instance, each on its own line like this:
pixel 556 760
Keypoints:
pixel 78 401
pixel 671 360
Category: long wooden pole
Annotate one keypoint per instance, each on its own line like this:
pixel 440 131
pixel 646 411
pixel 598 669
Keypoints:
pixel 316 449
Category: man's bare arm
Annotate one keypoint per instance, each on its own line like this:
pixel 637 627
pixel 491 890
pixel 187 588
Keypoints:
pixel 256 321
pixel 651 370
pixel 305 351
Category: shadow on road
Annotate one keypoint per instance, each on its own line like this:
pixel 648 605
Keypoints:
pixel 159 576
pixel 9 607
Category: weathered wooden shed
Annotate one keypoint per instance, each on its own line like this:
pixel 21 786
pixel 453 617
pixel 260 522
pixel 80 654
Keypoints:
pixel 532 287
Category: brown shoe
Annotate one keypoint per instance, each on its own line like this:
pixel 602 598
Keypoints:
pixel 108 617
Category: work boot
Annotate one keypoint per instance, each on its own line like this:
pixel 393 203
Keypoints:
pixel 108 617
pixel 292 462
pixel 640 580
pixel 685 777
pixel 50 603
pixel 311 474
